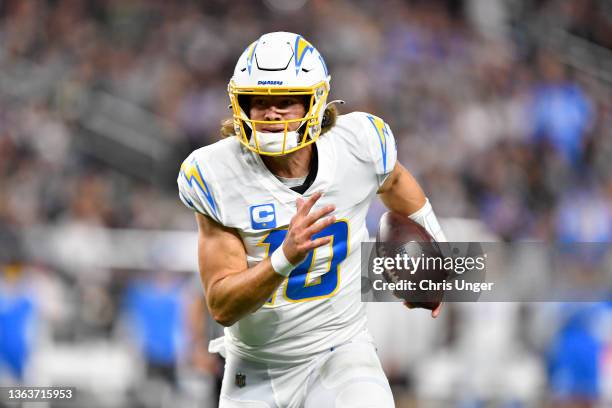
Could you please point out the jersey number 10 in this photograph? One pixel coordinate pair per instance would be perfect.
(300, 287)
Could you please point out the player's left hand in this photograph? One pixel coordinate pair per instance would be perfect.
(203, 361)
(434, 313)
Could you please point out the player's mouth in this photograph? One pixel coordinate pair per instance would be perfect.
(272, 128)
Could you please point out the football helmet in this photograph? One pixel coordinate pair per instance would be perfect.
(279, 63)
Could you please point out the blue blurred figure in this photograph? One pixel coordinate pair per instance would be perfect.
(156, 311)
(584, 215)
(575, 355)
(562, 112)
(17, 316)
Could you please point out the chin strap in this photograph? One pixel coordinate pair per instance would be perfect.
(327, 122)
(339, 101)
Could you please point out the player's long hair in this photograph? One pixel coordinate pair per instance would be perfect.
(329, 120)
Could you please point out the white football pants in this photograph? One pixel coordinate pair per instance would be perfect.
(348, 376)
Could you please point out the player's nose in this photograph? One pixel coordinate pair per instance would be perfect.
(272, 113)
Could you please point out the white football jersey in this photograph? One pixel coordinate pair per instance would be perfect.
(319, 305)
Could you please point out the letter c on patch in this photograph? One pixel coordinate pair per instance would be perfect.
(263, 216)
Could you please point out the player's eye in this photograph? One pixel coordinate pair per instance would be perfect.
(287, 102)
(258, 103)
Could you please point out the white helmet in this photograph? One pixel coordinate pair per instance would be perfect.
(279, 64)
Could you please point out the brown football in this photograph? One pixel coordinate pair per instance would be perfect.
(398, 234)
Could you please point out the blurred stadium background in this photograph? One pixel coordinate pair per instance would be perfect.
(501, 108)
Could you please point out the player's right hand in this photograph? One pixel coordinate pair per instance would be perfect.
(434, 313)
(304, 225)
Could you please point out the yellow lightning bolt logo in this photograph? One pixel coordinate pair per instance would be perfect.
(381, 130)
(301, 48)
(192, 174)
(251, 55)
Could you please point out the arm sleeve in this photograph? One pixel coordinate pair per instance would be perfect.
(381, 145)
(195, 189)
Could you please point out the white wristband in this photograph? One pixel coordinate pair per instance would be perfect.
(280, 263)
(427, 219)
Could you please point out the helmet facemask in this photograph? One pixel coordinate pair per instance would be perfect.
(278, 143)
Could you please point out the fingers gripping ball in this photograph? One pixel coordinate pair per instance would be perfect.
(418, 259)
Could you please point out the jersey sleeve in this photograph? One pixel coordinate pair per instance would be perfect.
(381, 146)
(195, 188)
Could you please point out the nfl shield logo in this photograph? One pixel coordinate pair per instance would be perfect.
(240, 380)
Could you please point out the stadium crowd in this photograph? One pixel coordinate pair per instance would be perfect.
(494, 125)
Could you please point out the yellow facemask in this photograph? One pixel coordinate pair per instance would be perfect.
(289, 141)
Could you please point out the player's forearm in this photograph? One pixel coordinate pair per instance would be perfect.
(401, 193)
(235, 295)
(404, 195)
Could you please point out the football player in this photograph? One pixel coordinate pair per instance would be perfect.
(280, 206)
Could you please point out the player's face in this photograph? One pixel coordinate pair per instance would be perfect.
(264, 107)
